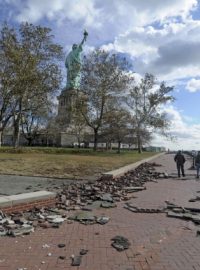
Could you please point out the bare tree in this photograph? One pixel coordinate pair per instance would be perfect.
(117, 126)
(144, 102)
(104, 77)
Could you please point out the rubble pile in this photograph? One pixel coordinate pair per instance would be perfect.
(79, 195)
(83, 197)
(19, 223)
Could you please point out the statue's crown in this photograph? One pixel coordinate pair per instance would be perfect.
(74, 46)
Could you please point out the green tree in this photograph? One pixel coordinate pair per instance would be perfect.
(32, 58)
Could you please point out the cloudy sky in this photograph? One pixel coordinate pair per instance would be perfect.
(159, 37)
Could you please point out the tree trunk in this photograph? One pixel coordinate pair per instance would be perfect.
(30, 140)
(95, 140)
(139, 142)
(119, 147)
(16, 134)
(107, 146)
(1, 137)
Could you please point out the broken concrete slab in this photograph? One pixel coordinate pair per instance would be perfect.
(76, 261)
(134, 189)
(107, 197)
(103, 220)
(135, 209)
(83, 251)
(24, 229)
(83, 216)
(108, 205)
(120, 243)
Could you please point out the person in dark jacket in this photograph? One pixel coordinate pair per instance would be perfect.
(197, 163)
(180, 160)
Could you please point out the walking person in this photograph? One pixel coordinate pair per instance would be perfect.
(197, 163)
(180, 160)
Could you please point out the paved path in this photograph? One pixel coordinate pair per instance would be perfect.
(157, 242)
(24, 184)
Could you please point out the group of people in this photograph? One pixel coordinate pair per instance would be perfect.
(180, 160)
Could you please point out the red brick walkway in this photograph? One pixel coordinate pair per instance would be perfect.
(157, 242)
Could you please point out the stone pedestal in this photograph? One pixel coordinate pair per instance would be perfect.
(66, 105)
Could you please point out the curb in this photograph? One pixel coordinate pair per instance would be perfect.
(121, 171)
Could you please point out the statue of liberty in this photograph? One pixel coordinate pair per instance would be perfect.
(73, 65)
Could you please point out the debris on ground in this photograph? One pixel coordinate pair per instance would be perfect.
(198, 233)
(76, 260)
(131, 207)
(88, 218)
(78, 196)
(103, 220)
(197, 198)
(187, 213)
(23, 223)
(83, 251)
(81, 196)
(61, 245)
(120, 243)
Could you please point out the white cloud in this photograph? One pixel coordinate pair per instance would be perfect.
(186, 134)
(137, 12)
(171, 52)
(193, 85)
(59, 10)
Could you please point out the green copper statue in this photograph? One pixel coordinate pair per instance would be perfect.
(73, 65)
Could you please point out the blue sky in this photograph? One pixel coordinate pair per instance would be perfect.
(160, 37)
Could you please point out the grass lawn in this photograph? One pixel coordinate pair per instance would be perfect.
(63, 162)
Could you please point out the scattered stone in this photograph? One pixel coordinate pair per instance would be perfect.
(135, 209)
(23, 230)
(3, 232)
(45, 246)
(187, 213)
(198, 233)
(134, 189)
(83, 251)
(62, 257)
(76, 260)
(120, 243)
(103, 220)
(61, 245)
(108, 205)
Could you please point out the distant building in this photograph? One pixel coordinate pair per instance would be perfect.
(155, 149)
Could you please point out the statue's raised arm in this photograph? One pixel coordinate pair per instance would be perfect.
(85, 34)
(73, 64)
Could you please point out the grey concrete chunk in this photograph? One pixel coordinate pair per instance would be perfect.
(76, 261)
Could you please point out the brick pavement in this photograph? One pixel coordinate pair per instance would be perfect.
(157, 242)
